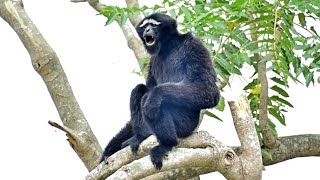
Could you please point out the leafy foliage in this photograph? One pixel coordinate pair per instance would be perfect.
(242, 33)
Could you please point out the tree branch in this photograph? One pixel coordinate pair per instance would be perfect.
(135, 18)
(46, 63)
(179, 174)
(177, 158)
(213, 155)
(289, 147)
(268, 138)
(251, 152)
(222, 158)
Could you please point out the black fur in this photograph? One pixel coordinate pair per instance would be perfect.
(181, 82)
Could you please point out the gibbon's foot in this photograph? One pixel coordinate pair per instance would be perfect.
(134, 144)
(157, 154)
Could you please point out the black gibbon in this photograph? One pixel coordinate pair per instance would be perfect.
(181, 81)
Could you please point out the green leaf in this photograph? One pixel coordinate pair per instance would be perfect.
(156, 7)
(266, 58)
(223, 62)
(280, 90)
(278, 99)
(266, 154)
(123, 19)
(252, 84)
(277, 115)
(309, 78)
(259, 50)
(239, 4)
(302, 19)
(111, 18)
(245, 58)
(319, 79)
(173, 13)
(273, 128)
(221, 104)
(186, 12)
(278, 80)
(210, 114)
(261, 18)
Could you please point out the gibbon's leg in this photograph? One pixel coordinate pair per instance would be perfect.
(129, 131)
(140, 128)
(191, 96)
(165, 131)
(185, 120)
(115, 144)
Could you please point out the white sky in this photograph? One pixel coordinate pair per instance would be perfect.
(99, 68)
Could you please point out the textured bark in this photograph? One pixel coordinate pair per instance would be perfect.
(268, 138)
(289, 147)
(180, 174)
(46, 63)
(251, 152)
(208, 155)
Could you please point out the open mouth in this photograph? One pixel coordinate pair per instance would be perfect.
(150, 40)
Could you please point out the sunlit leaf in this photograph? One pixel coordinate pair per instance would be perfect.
(277, 98)
(280, 90)
(210, 114)
(265, 154)
(111, 18)
(278, 80)
(123, 19)
(252, 84)
(256, 90)
(302, 19)
(173, 13)
(221, 104)
(277, 115)
(186, 12)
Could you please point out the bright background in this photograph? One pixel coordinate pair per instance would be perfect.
(99, 67)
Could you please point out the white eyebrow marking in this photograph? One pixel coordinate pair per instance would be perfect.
(149, 21)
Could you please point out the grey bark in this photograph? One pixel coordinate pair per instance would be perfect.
(208, 153)
(46, 63)
(268, 138)
(214, 156)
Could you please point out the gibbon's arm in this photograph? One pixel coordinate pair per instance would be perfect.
(192, 96)
(150, 81)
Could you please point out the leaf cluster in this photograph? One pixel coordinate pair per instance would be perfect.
(242, 33)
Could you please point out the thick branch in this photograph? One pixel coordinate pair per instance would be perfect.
(177, 158)
(251, 153)
(289, 147)
(179, 174)
(222, 159)
(46, 63)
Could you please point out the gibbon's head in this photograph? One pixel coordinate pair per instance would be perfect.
(155, 31)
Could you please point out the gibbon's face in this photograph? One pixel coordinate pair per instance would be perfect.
(155, 31)
(149, 35)
(148, 31)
